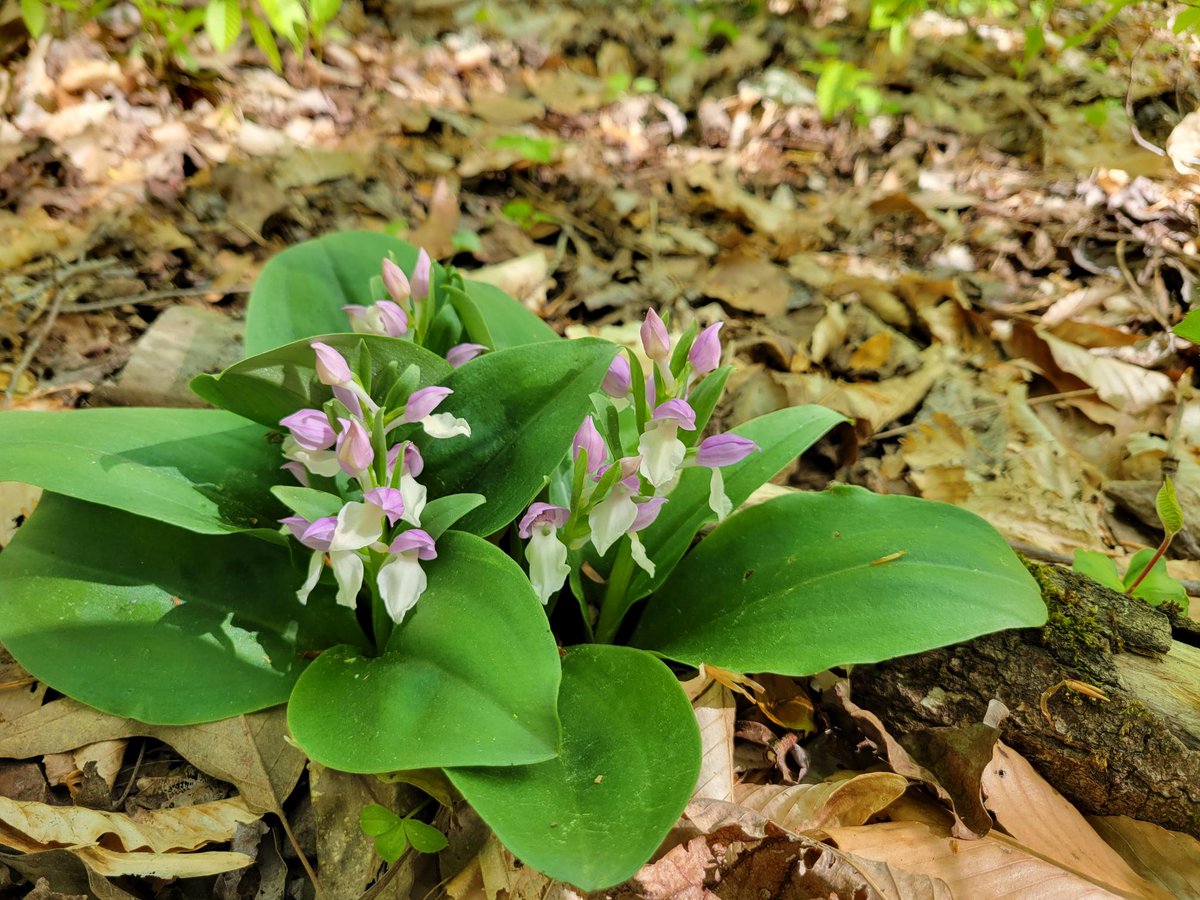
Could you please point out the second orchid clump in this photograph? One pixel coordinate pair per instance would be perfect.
(624, 474)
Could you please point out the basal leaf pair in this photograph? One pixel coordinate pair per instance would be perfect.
(387, 527)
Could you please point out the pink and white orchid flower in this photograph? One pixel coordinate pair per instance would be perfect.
(401, 580)
(420, 408)
(547, 555)
(661, 450)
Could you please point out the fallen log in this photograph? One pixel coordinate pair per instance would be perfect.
(1136, 753)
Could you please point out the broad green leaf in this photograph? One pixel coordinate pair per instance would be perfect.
(813, 580)
(442, 513)
(302, 290)
(782, 436)
(1157, 587)
(308, 502)
(205, 470)
(524, 405)
(507, 322)
(470, 677)
(1099, 568)
(158, 624)
(33, 13)
(275, 384)
(261, 32)
(1189, 328)
(1170, 513)
(629, 762)
(223, 23)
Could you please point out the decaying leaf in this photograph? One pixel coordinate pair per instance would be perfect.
(715, 714)
(250, 752)
(1165, 858)
(837, 802)
(1041, 819)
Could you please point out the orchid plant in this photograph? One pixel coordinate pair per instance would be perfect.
(451, 541)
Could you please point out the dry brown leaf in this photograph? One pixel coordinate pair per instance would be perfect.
(749, 284)
(1038, 816)
(1183, 145)
(988, 867)
(348, 863)
(250, 751)
(161, 865)
(1168, 859)
(879, 404)
(872, 353)
(523, 277)
(835, 802)
(1123, 385)
(505, 108)
(65, 872)
(39, 825)
(715, 713)
(436, 233)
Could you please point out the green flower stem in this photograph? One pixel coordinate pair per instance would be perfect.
(616, 596)
(381, 622)
(1158, 554)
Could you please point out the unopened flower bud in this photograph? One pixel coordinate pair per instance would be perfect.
(724, 450)
(617, 379)
(422, 275)
(705, 354)
(655, 340)
(396, 282)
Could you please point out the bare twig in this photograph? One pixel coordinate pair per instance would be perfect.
(120, 801)
(993, 407)
(308, 869)
(33, 346)
(147, 298)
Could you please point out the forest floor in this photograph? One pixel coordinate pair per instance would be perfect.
(973, 257)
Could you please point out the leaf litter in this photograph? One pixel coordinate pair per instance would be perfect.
(983, 276)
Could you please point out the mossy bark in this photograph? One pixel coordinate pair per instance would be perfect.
(1138, 754)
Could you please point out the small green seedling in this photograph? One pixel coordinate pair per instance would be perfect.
(1146, 576)
(393, 834)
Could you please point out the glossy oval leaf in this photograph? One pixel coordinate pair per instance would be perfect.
(205, 470)
(629, 762)
(781, 436)
(470, 677)
(813, 580)
(492, 317)
(524, 405)
(302, 290)
(267, 387)
(155, 623)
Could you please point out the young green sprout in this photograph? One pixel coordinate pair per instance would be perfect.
(1170, 514)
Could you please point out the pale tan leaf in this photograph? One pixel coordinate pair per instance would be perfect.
(715, 713)
(250, 751)
(162, 865)
(988, 867)
(1129, 388)
(1166, 858)
(749, 283)
(39, 826)
(1040, 818)
(834, 803)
